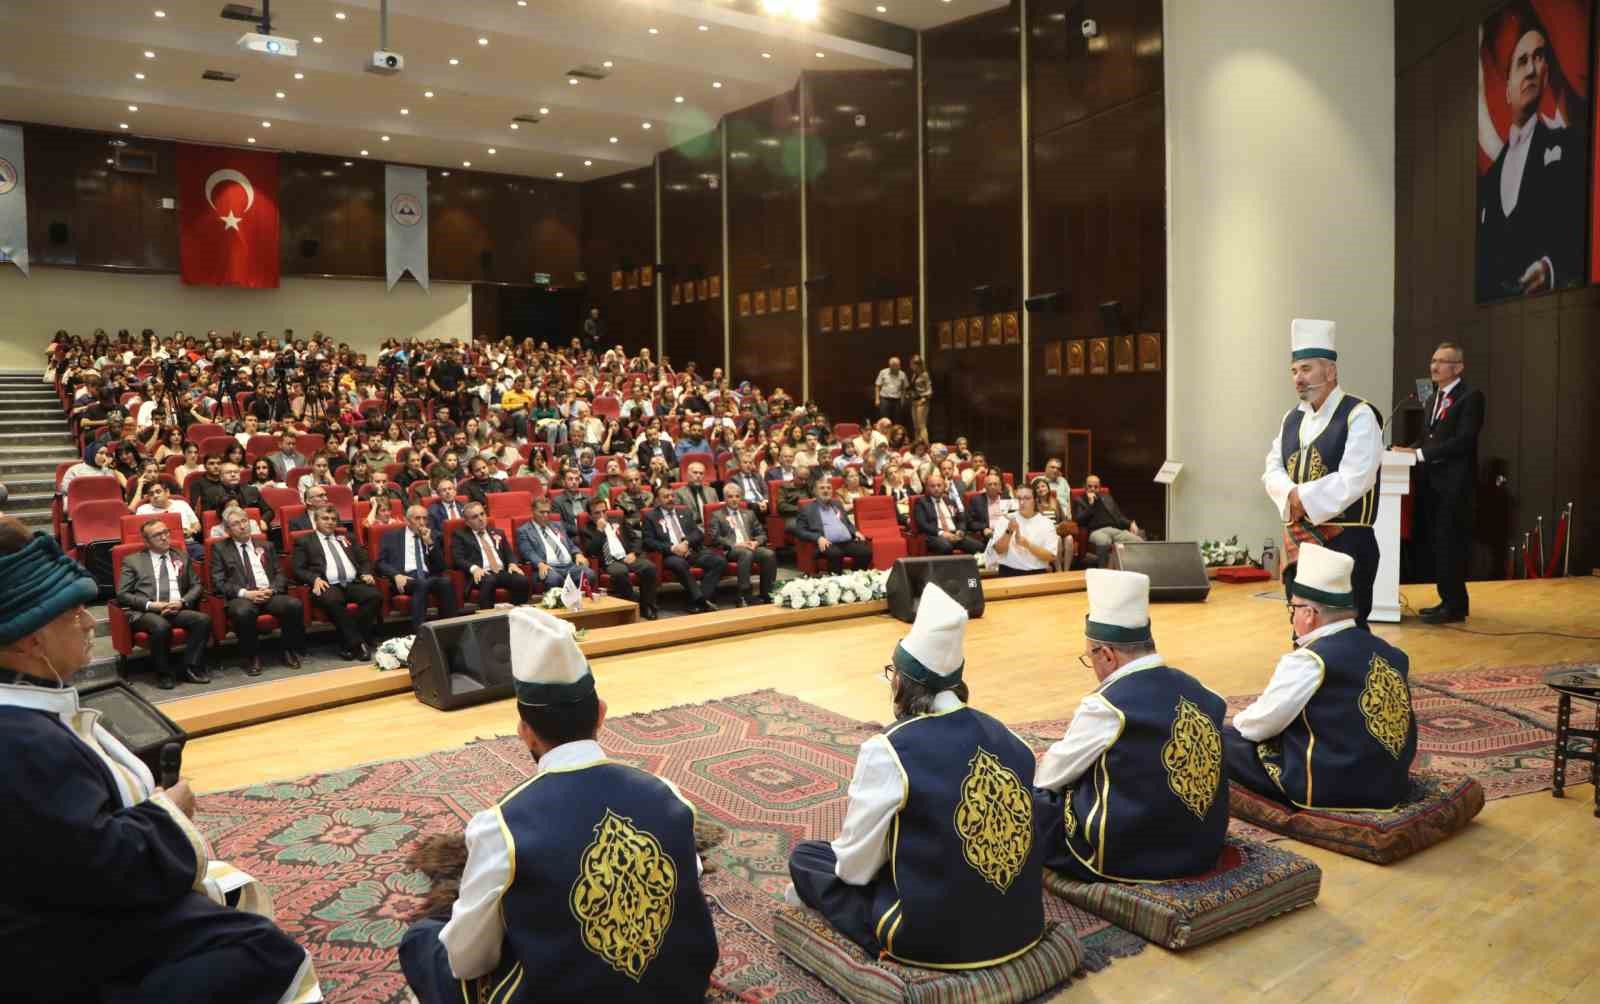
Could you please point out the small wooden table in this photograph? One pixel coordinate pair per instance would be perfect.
(1583, 684)
(599, 612)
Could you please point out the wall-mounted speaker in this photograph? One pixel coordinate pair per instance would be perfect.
(486, 261)
(309, 248)
(819, 280)
(1111, 317)
(983, 297)
(60, 233)
(1052, 302)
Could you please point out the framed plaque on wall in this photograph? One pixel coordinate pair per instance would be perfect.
(647, 275)
(864, 316)
(761, 302)
(906, 309)
(677, 293)
(847, 315)
(1124, 354)
(791, 298)
(944, 334)
(1052, 359)
(616, 280)
(1099, 356)
(959, 333)
(825, 320)
(688, 291)
(1076, 352)
(716, 287)
(1150, 353)
(633, 278)
(1014, 332)
(997, 327)
(744, 304)
(885, 313)
(703, 289)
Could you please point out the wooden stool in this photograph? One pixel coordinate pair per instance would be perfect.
(1583, 684)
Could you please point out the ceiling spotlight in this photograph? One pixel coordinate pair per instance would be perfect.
(317, 39)
(766, 55)
(349, 163)
(804, 10)
(588, 163)
(544, 111)
(138, 76)
(265, 124)
(573, 81)
(492, 151)
(148, 54)
(482, 40)
(279, 95)
(122, 125)
(445, 173)
(561, 174)
(454, 61)
(612, 139)
(363, 153)
(678, 100)
(608, 64)
(299, 76)
(522, 3)
(775, 6)
(644, 125)
(466, 163)
(384, 138)
(822, 55)
(881, 9)
(702, 27)
(339, 15)
(427, 94)
(655, 31)
(161, 13)
(111, 160)
(515, 126)
(133, 108)
(405, 111)
(717, 84)
(249, 139)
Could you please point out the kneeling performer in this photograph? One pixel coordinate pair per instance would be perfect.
(1334, 728)
(1135, 790)
(936, 864)
(583, 883)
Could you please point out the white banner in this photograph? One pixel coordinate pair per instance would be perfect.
(13, 199)
(406, 225)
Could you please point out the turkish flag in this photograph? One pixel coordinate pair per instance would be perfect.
(228, 217)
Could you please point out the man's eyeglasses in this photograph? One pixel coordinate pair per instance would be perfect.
(1293, 607)
(889, 673)
(156, 534)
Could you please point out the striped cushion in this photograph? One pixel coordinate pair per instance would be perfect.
(1252, 882)
(807, 938)
(1439, 805)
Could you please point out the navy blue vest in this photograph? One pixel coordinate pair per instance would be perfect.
(605, 902)
(1154, 806)
(1322, 455)
(1352, 746)
(965, 871)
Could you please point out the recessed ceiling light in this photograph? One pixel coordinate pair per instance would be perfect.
(716, 83)
(522, 3)
(612, 139)
(445, 173)
(544, 111)
(111, 160)
(454, 61)
(678, 100)
(384, 138)
(588, 163)
(655, 31)
(349, 163)
(559, 174)
(133, 108)
(299, 76)
(702, 27)
(122, 125)
(340, 15)
(608, 64)
(265, 124)
(279, 95)
(249, 139)
(427, 94)
(317, 39)
(644, 125)
(573, 81)
(493, 151)
(822, 55)
(881, 9)
(148, 54)
(138, 76)
(515, 126)
(405, 111)
(466, 163)
(161, 13)
(766, 55)
(482, 40)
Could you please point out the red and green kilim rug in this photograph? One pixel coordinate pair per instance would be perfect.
(770, 768)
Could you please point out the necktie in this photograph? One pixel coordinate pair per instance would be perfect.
(450, 511)
(737, 519)
(490, 555)
(674, 530)
(421, 559)
(944, 514)
(614, 549)
(558, 551)
(249, 571)
(339, 560)
(162, 589)
(1438, 408)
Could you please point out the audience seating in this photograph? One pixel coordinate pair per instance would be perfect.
(510, 503)
(124, 640)
(259, 446)
(686, 459)
(132, 525)
(344, 500)
(97, 521)
(291, 479)
(216, 446)
(198, 432)
(309, 444)
(215, 606)
(875, 518)
(279, 499)
(287, 515)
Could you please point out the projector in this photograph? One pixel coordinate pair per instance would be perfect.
(386, 62)
(272, 45)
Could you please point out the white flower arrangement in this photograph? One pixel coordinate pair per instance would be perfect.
(1224, 553)
(394, 653)
(831, 590)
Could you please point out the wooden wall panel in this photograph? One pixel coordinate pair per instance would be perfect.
(619, 234)
(1071, 77)
(691, 244)
(764, 165)
(861, 226)
(972, 205)
(1528, 356)
(82, 211)
(333, 216)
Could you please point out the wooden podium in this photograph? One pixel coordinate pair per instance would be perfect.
(1394, 480)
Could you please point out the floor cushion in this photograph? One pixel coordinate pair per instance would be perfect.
(807, 938)
(1251, 883)
(1439, 804)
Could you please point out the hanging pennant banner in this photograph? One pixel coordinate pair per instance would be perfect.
(406, 189)
(13, 199)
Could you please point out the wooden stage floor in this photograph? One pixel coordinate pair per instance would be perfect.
(1503, 912)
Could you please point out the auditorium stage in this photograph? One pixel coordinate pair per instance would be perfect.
(1496, 913)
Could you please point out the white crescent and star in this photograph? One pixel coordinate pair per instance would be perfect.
(230, 221)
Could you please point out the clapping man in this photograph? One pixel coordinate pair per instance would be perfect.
(484, 554)
(247, 576)
(412, 560)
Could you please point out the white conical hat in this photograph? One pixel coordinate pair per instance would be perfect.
(1323, 576)
(1312, 339)
(1119, 606)
(935, 650)
(545, 660)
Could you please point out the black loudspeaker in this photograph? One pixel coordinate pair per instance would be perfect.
(956, 575)
(1111, 317)
(459, 661)
(1176, 569)
(1045, 301)
(137, 724)
(309, 248)
(60, 233)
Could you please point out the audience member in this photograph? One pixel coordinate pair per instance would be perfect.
(891, 392)
(677, 538)
(943, 525)
(615, 547)
(412, 559)
(160, 590)
(288, 456)
(483, 553)
(248, 577)
(695, 495)
(743, 536)
(447, 507)
(1027, 542)
(1097, 514)
(549, 549)
(825, 523)
(339, 571)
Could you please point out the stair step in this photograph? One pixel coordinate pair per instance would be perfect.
(36, 483)
(55, 424)
(29, 470)
(13, 439)
(29, 500)
(11, 411)
(38, 518)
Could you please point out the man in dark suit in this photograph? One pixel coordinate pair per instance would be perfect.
(979, 506)
(743, 535)
(338, 570)
(825, 523)
(480, 486)
(160, 590)
(695, 495)
(249, 496)
(381, 491)
(942, 525)
(570, 501)
(550, 551)
(677, 537)
(447, 508)
(1531, 224)
(1098, 515)
(207, 491)
(287, 457)
(484, 554)
(412, 559)
(752, 486)
(248, 578)
(1447, 467)
(800, 486)
(614, 546)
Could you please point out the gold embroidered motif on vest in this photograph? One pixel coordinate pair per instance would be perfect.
(994, 820)
(1266, 753)
(1069, 819)
(624, 894)
(1193, 758)
(1386, 705)
(1315, 467)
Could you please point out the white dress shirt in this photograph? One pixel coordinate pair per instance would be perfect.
(1333, 493)
(476, 930)
(340, 569)
(253, 556)
(413, 542)
(1294, 680)
(1038, 530)
(1518, 143)
(191, 522)
(1094, 727)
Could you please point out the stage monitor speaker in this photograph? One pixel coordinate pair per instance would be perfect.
(137, 724)
(460, 661)
(1176, 569)
(956, 575)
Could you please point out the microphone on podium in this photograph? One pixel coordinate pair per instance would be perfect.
(171, 763)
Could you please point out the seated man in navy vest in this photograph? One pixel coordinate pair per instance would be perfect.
(583, 884)
(936, 864)
(1135, 790)
(1334, 728)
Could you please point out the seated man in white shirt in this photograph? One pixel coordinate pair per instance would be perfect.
(160, 501)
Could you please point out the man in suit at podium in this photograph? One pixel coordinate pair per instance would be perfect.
(1447, 476)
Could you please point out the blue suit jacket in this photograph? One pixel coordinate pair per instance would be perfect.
(531, 543)
(437, 516)
(392, 556)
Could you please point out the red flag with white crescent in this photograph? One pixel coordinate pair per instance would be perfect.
(227, 217)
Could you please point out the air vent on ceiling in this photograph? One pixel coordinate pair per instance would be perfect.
(528, 119)
(241, 12)
(589, 72)
(222, 75)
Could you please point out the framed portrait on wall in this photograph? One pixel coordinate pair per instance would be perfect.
(1076, 353)
(847, 314)
(1535, 97)
(906, 309)
(633, 278)
(647, 275)
(885, 313)
(775, 299)
(944, 334)
(761, 302)
(1123, 354)
(1099, 356)
(744, 304)
(1052, 359)
(1150, 353)
(688, 291)
(791, 298)
(997, 328)
(825, 320)
(1014, 332)
(616, 280)
(716, 287)
(703, 289)
(864, 315)
(959, 333)
(677, 293)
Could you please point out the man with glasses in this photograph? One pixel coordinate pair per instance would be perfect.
(160, 590)
(1334, 729)
(339, 572)
(247, 576)
(483, 553)
(1447, 465)
(615, 546)
(1157, 731)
